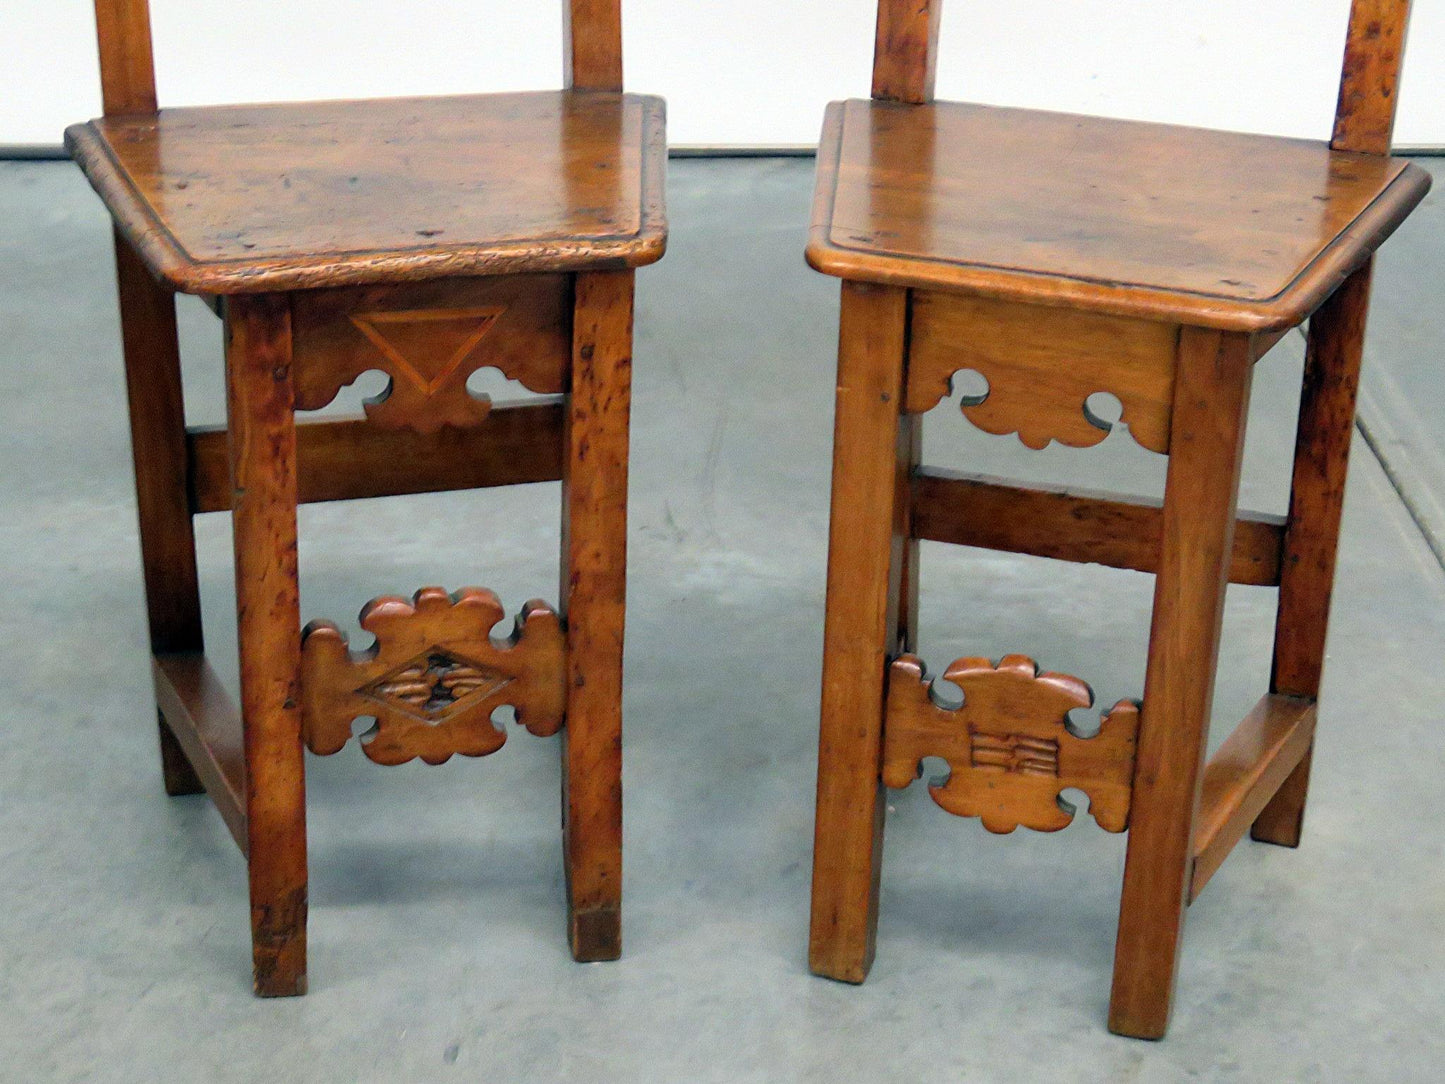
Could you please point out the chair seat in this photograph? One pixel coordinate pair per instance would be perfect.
(238, 199)
(1215, 229)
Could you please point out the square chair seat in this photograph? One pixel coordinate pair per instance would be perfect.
(1215, 229)
(255, 198)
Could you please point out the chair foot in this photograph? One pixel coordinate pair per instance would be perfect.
(824, 962)
(180, 777)
(1282, 821)
(595, 935)
(278, 945)
(1151, 1026)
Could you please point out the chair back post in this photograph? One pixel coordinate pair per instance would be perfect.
(592, 44)
(905, 51)
(127, 66)
(1374, 52)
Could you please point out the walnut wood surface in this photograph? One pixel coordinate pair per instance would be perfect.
(1211, 402)
(866, 536)
(1217, 229)
(338, 237)
(344, 459)
(207, 727)
(1244, 775)
(1073, 525)
(259, 405)
(1041, 365)
(158, 451)
(592, 44)
(1010, 748)
(905, 50)
(1369, 84)
(429, 338)
(910, 455)
(433, 677)
(992, 218)
(1317, 493)
(127, 67)
(594, 594)
(245, 199)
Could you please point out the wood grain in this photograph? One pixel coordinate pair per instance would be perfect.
(865, 546)
(342, 459)
(208, 729)
(1182, 225)
(1010, 748)
(259, 404)
(127, 66)
(1369, 83)
(158, 453)
(592, 44)
(1244, 775)
(1059, 256)
(594, 593)
(338, 237)
(1073, 525)
(1317, 494)
(905, 50)
(1210, 405)
(433, 677)
(1042, 364)
(910, 455)
(254, 198)
(429, 338)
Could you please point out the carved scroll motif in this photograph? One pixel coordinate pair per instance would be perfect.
(1010, 747)
(429, 339)
(1042, 365)
(433, 677)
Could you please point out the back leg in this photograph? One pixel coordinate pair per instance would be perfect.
(1321, 459)
(158, 446)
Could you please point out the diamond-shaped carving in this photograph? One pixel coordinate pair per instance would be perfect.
(433, 677)
(432, 685)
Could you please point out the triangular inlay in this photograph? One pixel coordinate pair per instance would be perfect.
(427, 346)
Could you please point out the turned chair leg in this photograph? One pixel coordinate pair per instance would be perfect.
(158, 446)
(1307, 574)
(1211, 399)
(259, 406)
(593, 600)
(873, 447)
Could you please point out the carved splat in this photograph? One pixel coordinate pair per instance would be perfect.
(1042, 365)
(433, 677)
(429, 339)
(1010, 746)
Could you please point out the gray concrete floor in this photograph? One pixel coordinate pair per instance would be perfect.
(437, 947)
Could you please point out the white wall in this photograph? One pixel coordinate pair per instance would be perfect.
(736, 71)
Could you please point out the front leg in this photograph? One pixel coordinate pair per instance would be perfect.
(594, 599)
(873, 449)
(260, 403)
(1211, 399)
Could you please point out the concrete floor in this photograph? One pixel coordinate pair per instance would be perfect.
(437, 947)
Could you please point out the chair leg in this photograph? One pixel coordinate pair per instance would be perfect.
(1211, 400)
(911, 441)
(260, 403)
(158, 447)
(872, 452)
(1322, 453)
(594, 589)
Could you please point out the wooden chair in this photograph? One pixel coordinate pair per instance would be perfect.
(426, 238)
(1061, 256)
